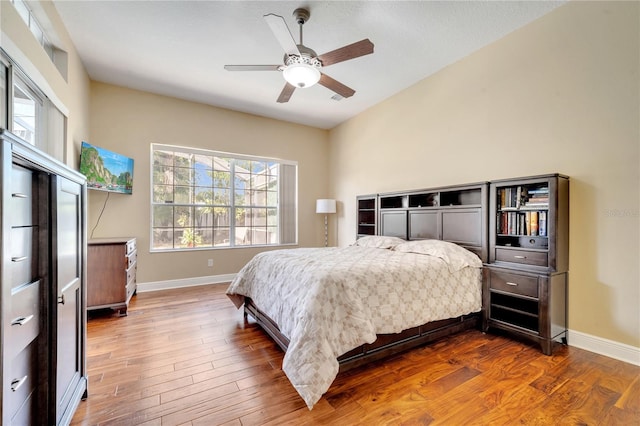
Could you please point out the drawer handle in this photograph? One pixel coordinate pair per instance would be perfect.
(22, 320)
(19, 195)
(16, 383)
(512, 284)
(519, 257)
(19, 259)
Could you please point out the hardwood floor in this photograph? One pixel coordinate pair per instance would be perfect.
(186, 357)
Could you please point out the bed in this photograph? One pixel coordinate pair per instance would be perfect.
(335, 308)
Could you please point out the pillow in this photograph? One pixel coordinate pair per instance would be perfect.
(379, 241)
(456, 257)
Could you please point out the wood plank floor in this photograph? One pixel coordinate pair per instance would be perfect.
(186, 357)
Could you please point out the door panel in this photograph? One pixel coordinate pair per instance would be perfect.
(68, 247)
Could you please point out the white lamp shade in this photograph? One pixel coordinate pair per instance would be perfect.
(301, 75)
(324, 205)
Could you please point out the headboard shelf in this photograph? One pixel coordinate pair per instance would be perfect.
(454, 213)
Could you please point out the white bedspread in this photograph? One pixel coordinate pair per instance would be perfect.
(328, 301)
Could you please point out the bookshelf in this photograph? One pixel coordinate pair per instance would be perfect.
(525, 280)
(366, 209)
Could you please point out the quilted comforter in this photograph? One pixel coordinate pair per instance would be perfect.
(328, 301)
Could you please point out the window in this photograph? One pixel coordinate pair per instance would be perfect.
(27, 111)
(35, 27)
(206, 199)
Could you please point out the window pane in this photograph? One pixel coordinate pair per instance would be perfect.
(162, 216)
(182, 195)
(272, 235)
(24, 115)
(272, 198)
(183, 176)
(183, 216)
(221, 179)
(272, 217)
(162, 193)
(162, 158)
(204, 195)
(163, 238)
(221, 197)
(204, 216)
(243, 217)
(221, 237)
(203, 177)
(241, 198)
(221, 216)
(206, 237)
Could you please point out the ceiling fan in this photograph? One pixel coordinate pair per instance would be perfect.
(302, 66)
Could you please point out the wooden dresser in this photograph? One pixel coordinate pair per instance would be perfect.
(111, 273)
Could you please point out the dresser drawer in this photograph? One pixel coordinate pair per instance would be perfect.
(514, 283)
(22, 201)
(24, 324)
(131, 259)
(131, 273)
(22, 381)
(526, 257)
(131, 246)
(23, 261)
(131, 288)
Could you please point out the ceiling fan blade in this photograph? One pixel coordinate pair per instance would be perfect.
(282, 33)
(252, 67)
(336, 86)
(354, 50)
(286, 93)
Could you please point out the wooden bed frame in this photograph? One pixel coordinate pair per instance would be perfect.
(385, 344)
(462, 221)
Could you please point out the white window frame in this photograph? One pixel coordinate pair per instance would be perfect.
(286, 206)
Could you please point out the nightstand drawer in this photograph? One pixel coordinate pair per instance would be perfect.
(514, 283)
(526, 257)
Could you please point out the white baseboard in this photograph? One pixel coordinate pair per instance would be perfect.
(606, 347)
(599, 345)
(184, 282)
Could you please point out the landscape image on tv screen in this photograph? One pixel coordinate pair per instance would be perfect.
(106, 170)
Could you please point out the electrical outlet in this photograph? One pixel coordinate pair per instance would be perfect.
(210, 262)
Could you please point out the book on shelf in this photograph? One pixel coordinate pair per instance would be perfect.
(542, 224)
(539, 190)
(534, 223)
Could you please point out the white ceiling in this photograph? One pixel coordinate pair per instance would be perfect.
(179, 48)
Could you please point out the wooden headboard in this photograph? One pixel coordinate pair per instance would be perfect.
(455, 213)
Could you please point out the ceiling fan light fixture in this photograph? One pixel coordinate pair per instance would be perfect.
(301, 75)
(302, 71)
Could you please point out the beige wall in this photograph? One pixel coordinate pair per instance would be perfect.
(128, 121)
(559, 95)
(71, 96)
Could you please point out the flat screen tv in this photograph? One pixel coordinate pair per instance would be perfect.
(106, 170)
